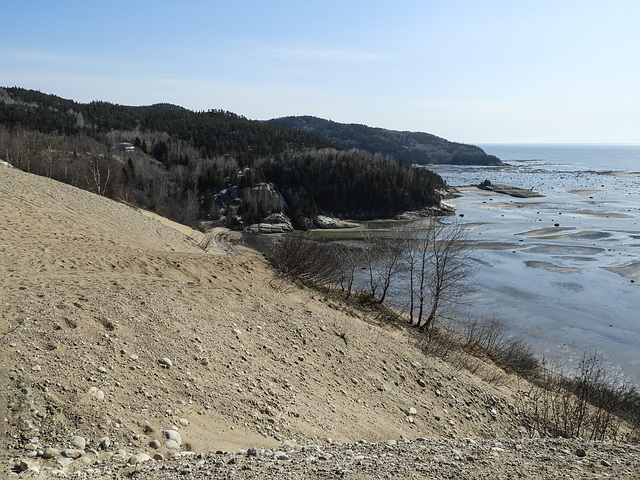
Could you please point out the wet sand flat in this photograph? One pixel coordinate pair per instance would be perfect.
(631, 270)
(543, 232)
(584, 192)
(565, 270)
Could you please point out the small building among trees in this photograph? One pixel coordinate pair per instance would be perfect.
(126, 147)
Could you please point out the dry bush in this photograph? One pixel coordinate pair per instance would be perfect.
(488, 336)
(452, 347)
(515, 355)
(296, 257)
(441, 342)
(586, 406)
(483, 332)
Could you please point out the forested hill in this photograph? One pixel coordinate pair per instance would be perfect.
(212, 166)
(213, 132)
(408, 147)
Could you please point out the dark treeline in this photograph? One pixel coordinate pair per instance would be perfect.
(212, 165)
(213, 133)
(407, 147)
(352, 183)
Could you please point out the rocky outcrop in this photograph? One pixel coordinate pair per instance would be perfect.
(322, 221)
(508, 190)
(274, 223)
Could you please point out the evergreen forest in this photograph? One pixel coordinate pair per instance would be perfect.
(213, 166)
(408, 147)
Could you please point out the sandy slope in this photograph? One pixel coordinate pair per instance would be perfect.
(94, 293)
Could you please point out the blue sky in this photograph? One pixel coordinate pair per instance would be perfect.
(473, 71)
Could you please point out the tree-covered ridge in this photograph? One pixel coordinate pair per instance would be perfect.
(213, 132)
(196, 166)
(408, 147)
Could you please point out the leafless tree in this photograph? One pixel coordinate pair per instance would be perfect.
(383, 256)
(351, 261)
(439, 264)
(19, 147)
(100, 175)
(51, 157)
(412, 258)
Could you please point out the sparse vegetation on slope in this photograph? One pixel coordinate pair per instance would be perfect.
(435, 257)
(117, 327)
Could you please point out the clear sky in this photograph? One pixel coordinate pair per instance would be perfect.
(473, 71)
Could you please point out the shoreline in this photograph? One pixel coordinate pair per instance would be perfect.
(564, 269)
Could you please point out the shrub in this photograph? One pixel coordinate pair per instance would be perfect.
(296, 257)
(586, 406)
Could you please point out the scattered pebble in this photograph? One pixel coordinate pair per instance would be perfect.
(165, 362)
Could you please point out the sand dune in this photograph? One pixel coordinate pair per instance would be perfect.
(96, 296)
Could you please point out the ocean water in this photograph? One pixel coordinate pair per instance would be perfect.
(598, 157)
(563, 270)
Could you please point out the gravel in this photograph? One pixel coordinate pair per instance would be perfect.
(421, 458)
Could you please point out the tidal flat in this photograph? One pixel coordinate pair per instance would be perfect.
(569, 283)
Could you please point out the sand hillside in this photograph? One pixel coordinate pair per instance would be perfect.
(117, 326)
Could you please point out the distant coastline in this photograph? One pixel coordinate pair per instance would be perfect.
(562, 270)
(615, 157)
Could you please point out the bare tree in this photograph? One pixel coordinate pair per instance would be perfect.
(20, 148)
(379, 260)
(384, 264)
(439, 262)
(100, 175)
(432, 257)
(412, 257)
(369, 258)
(51, 157)
(191, 207)
(451, 263)
(351, 259)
